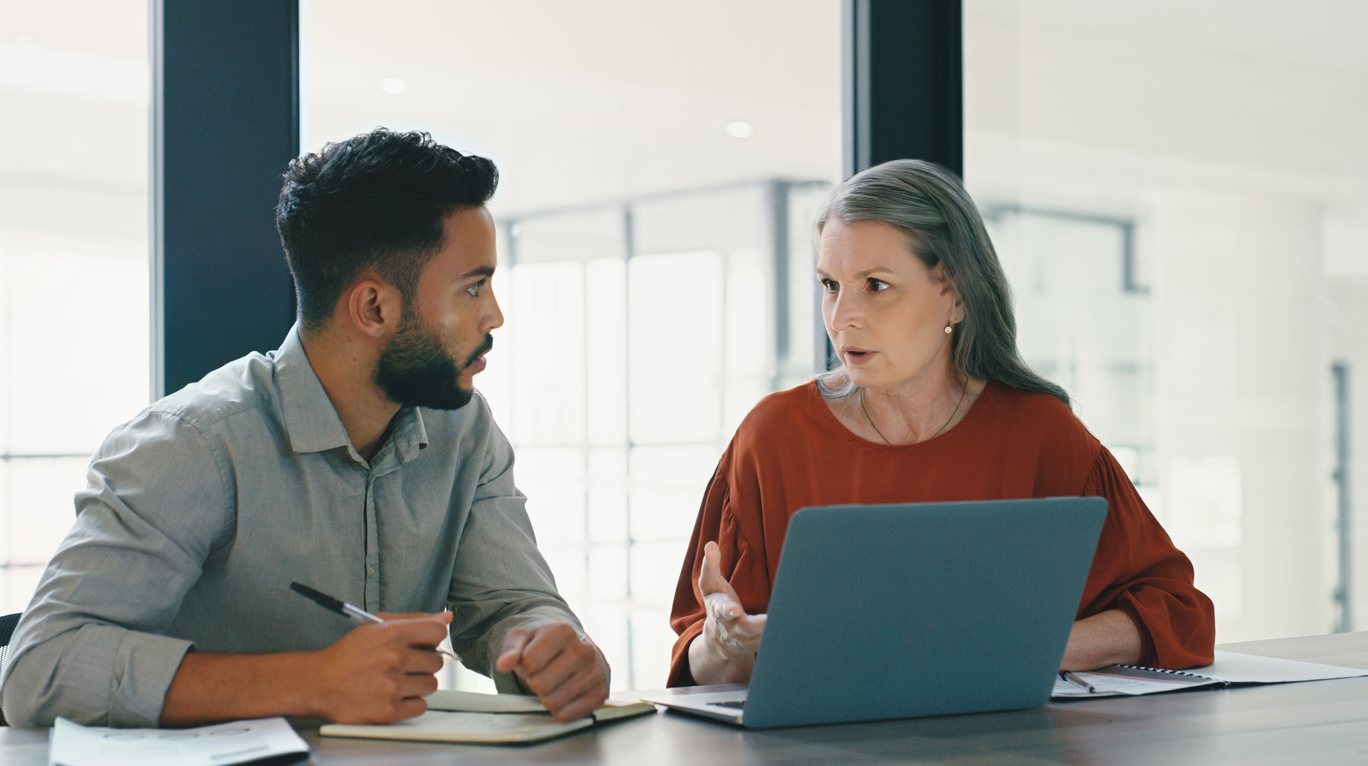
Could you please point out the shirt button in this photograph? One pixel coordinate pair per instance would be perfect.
(371, 571)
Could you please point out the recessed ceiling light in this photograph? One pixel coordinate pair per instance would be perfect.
(740, 129)
(393, 85)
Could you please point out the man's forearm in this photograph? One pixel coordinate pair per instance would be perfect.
(219, 687)
(376, 673)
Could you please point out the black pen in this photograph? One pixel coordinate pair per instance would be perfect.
(347, 610)
(1076, 681)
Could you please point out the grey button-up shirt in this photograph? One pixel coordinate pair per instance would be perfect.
(201, 510)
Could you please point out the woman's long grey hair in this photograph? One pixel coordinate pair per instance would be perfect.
(929, 204)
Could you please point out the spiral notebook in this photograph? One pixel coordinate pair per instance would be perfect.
(1229, 669)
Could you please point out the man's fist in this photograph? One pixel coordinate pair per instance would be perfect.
(558, 664)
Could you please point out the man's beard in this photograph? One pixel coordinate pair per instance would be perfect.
(416, 371)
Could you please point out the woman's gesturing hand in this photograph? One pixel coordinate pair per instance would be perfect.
(725, 653)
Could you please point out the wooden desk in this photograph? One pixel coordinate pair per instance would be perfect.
(1318, 722)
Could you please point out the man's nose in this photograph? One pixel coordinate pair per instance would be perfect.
(496, 317)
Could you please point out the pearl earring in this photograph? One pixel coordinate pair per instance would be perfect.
(949, 328)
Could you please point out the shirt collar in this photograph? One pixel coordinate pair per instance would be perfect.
(311, 420)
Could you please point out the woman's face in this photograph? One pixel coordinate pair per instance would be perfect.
(884, 310)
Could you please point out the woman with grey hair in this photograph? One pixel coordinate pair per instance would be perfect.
(932, 402)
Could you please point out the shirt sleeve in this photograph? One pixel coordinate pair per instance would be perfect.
(91, 646)
(1139, 571)
(742, 564)
(500, 581)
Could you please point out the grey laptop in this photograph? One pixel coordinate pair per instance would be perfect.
(897, 611)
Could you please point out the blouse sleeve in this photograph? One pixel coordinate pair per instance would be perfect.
(742, 564)
(1138, 570)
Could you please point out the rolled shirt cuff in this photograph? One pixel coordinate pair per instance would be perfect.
(99, 675)
(145, 665)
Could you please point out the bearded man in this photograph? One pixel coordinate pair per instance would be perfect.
(357, 458)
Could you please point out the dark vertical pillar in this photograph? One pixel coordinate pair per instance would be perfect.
(903, 82)
(225, 124)
(903, 95)
(1344, 506)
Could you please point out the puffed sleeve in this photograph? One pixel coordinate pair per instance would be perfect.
(743, 562)
(1138, 570)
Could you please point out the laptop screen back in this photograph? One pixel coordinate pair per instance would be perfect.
(892, 611)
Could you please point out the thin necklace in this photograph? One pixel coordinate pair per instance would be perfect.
(963, 390)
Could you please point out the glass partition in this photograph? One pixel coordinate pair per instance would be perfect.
(1180, 197)
(655, 209)
(74, 326)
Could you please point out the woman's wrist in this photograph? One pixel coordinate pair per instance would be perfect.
(709, 663)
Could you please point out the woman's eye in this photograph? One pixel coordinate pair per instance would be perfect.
(829, 285)
(877, 285)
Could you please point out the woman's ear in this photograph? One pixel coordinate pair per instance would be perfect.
(948, 289)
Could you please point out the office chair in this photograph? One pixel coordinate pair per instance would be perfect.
(7, 624)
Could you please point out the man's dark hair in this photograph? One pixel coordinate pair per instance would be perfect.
(375, 201)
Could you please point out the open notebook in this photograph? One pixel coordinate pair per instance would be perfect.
(491, 719)
(1229, 669)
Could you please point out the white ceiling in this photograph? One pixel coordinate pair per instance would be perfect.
(604, 99)
(593, 100)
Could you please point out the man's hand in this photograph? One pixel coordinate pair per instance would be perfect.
(377, 673)
(380, 673)
(725, 652)
(559, 665)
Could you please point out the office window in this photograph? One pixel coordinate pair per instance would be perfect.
(660, 166)
(1182, 210)
(73, 261)
(1066, 268)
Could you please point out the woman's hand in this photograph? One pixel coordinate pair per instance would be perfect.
(725, 652)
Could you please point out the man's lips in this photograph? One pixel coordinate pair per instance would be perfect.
(476, 363)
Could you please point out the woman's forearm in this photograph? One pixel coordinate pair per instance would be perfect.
(1106, 638)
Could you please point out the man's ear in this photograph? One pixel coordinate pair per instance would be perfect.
(373, 306)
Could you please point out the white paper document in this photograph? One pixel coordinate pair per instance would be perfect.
(224, 743)
(1229, 669)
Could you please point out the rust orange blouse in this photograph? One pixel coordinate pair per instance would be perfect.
(791, 452)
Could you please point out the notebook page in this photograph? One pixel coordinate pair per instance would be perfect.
(222, 743)
(1237, 668)
(1228, 668)
(442, 726)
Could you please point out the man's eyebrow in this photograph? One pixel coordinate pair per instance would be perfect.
(482, 271)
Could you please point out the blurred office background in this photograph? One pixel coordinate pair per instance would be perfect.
(1179, 194)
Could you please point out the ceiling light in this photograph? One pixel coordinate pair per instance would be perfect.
(740, 129)
(393, 85)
